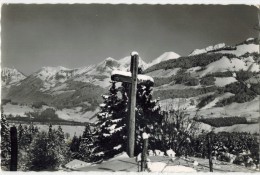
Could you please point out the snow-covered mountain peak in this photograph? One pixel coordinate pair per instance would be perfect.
(10, 71)
(125, 63)
(208, 49)
(53, 69)
(165, 56)
(11, 76)
(53, 75)
(109, 59)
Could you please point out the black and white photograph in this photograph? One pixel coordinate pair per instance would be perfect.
(101, 88)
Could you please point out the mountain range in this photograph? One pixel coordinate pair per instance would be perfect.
(201, 81)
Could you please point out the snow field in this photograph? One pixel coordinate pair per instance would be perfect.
(223, 81)
(242, 49)
(217, 99)
(16, 109)
(225, 64)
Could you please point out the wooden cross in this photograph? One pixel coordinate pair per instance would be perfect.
(133, 79)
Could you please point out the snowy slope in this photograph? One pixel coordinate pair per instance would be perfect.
(242, 49)
(11, 76)
(233, 64)
(52, 76)
(207, 49)
(223, 81)
(248, 46)
(165, 56)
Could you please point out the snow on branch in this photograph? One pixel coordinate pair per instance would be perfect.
(117, 147)
(145, 135)
(102, 105)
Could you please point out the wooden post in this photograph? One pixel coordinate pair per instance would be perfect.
(144, 155)
(209, 152)
(14, 149)
(131, 120)
(259, 96)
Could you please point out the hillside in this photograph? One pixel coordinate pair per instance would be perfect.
(204, 80)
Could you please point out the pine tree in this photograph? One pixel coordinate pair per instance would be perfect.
(74, 147)
(111, 131)
(111, 138)
(20, 132)
(60, 144)
(148, 117)
(48, 150)
(5, 142)
(26, 137)
(86, 145)
(31, 128)
(60, 134)
(42, 155)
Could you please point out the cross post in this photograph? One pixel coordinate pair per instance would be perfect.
(133, 79)
(131, 120)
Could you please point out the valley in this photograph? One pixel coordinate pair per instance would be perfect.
(203, 81)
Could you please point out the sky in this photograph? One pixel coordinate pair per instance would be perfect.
(77, 35)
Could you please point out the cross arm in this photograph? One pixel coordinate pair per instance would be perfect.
(122, 76)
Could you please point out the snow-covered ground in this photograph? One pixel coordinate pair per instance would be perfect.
(16, 109)
(162, 167)
(250, 110)
(176, 86)
(161, 164)
(207, 49)
(76, 164)
(249, 128)
(217, 99)
(223, 81)
(242, 49)
(225, 64)
(74, 114)
(71, 130)
(177, 103)
(247, 109)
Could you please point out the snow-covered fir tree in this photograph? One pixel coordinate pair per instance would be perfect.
(47, 150)
(25, 137)
(111, 136)
(43, 154)
(148, 116)
(20, 132)
(86, 145)
(111, 131)
(60, 144)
